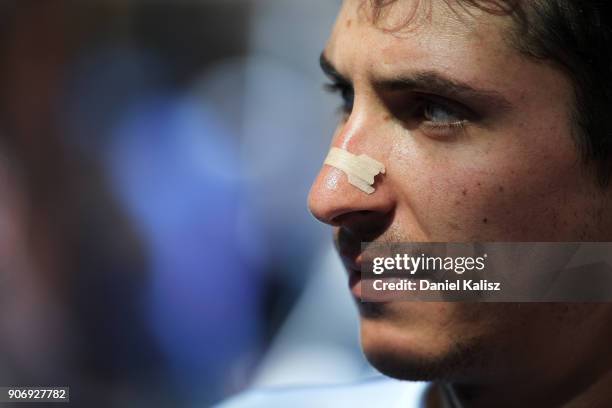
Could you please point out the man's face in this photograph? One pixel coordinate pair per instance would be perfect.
(478, 147)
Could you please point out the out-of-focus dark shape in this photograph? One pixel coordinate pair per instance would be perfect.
(154, 163)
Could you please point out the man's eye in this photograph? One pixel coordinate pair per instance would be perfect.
(346, 93)
(436, 114)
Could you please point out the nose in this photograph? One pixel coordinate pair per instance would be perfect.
(334, 201)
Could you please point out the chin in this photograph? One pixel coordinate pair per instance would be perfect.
(419, 352)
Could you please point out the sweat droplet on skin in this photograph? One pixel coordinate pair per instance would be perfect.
(331, 182)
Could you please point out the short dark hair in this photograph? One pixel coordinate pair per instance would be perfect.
(575, 36)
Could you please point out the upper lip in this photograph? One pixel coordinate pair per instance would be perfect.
(349, 246)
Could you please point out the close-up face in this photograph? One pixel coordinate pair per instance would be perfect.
(478, 144)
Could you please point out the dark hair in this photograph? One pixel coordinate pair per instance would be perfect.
(575, 37)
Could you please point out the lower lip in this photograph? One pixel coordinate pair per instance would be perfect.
(367, 310)
(355, 283)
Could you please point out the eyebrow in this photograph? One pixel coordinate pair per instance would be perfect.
(428, 81)
(330, 70)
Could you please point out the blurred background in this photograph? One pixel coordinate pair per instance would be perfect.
(155, 157)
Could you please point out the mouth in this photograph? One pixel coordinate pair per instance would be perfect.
(357, 278)
(354, 256)
(354, 283)
(352, 259)
(362, 280)
(367, 309)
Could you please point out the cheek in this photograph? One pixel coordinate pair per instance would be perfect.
(507, 194)
(466, 206)
(485, 207)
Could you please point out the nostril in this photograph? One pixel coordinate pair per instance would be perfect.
(364, 212)
(366, 224)
(353, 217)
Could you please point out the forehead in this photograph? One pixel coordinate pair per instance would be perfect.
(419, 34)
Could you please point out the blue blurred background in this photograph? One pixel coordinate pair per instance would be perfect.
(155, 157)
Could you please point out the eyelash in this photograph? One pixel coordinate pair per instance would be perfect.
(346, 93)
(458, 124)
(419, 109)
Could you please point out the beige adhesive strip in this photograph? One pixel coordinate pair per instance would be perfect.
(360, 170)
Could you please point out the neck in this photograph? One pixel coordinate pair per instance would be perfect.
(557, 365)
(575, 393)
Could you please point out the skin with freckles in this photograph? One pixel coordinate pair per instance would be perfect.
(479, 145)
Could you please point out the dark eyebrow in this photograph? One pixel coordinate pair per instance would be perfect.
(431, 82)
(330, 70)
